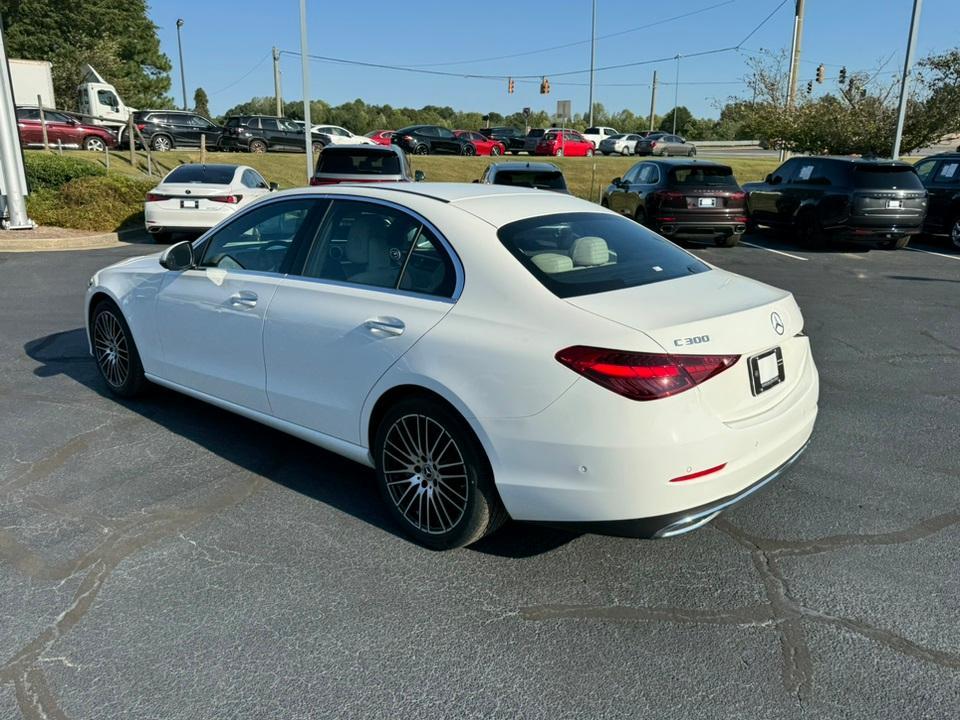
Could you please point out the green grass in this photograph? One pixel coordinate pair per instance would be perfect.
(585, 176)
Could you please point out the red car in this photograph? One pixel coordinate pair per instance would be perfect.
(380, 137)
(482, 145)
(564, 142)
(61, 127)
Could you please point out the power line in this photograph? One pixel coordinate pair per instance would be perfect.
(242, 77)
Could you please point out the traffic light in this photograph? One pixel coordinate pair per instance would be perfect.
(842, 77)
(820, 73)
(544, 86)
(510, 86)
(809, 87)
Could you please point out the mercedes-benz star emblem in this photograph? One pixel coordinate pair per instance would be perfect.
(777, 323)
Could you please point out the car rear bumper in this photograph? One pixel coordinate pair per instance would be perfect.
(160, 219)
(707, 225)
(879, 228)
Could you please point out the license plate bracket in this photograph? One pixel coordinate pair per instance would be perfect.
(894, 204)
(766, 370)
(190, 204)
(707, 202)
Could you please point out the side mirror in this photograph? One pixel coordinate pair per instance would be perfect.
(616, 181)
(769, 179)
(274, 187)
(418, 176)
(178, 256)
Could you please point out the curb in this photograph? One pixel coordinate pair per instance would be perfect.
(99, 241)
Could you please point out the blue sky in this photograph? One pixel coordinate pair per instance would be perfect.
(226, 46)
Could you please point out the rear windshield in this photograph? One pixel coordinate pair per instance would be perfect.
(700, 175)
(213, 174)
(545, 180)
(584, 253)
(358, 162)
(886, 177)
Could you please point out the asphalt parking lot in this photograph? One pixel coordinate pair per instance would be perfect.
(165, 559)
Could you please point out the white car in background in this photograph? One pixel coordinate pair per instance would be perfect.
(196, 197)
(596, 135)
(341, 136)
(491, 351)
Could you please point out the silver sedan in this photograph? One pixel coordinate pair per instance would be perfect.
(624, 144)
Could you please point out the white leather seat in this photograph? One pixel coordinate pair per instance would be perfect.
(553, 262)
(589, 251)
(367, 245)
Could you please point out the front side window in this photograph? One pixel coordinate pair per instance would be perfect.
(261, 239)
(56, 117)
(924, 169)
(582, 253)
(379, 246)
(107, 98)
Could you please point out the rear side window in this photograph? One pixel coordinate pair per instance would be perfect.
(549, 180)
(233, 122)
(702, 175)
(201, 174)
(575, 254)
(886, 177)
(358, 162)
(535, 133)
(948, 173)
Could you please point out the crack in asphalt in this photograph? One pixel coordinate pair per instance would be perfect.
(782, 611)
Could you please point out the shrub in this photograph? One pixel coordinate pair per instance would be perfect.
(46, 170)
(91, 203)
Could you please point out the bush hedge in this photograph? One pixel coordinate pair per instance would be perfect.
(106, 203)
(47, 170)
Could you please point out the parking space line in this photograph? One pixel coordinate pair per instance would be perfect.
(931, 252)
(778, 252)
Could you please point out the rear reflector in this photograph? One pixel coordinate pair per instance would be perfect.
(692, 476)
(643, 376)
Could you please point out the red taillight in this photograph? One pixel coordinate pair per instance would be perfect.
(670, 198)
(643, 376)
(314, 181)
(738, 196)
(228, 199)
(155, 197)
(141, 126)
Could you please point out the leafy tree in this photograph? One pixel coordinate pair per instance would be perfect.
(684, 121)
(201, 103)
(114, 36)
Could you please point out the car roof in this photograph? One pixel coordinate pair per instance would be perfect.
(685, 162)
(531, 166)
(345, 148)
(853, 160)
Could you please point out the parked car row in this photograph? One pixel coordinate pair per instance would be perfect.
(62, 129)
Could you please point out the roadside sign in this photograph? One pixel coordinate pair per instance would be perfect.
(563, 109)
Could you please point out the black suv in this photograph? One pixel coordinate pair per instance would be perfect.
(512, 138)
(823, 197)
(940, 175)
(260, 133)
(431, 139)
(168, 129)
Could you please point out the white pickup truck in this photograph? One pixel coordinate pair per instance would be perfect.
(596, 134)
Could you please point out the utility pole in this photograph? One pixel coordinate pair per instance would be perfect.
(593, 53)
(183, 80)
(905, 83)
(676, 89)
(12, 179)
(276, 82)
(305, 71)
(794, 60)
(653, 101)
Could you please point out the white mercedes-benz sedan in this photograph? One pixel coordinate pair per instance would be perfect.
(491, 351)
(195, 197)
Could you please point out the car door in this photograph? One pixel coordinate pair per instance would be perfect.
(616, 200)
(210, 318)
(801, 190)
(445, 141)
(943, 183)
(765, 198)
(28, 123)
(647, 180)
(61, 129)
(375, 281)
(185, 132)
(275, 136)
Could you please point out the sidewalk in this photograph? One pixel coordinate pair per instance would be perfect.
(43, 238)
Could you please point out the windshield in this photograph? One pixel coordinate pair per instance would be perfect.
(545, 180)
(575, 254)
(886, 177)
(209, 174)
(358, 162)
(702, 175)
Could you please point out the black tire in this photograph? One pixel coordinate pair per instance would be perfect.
(115, 352)
(604, 203)
(809, 232)
(258, 146)
(495, 150)
(468, 149)
(731, 240)
(161, 143)
(692, 153)
(94, 143)
(421, 150)
(752, 228)
(466, 506)
(514, 152)
(897, 243)
(317, 147)
(955, 232)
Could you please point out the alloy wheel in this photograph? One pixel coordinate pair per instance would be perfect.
(426, 476)
(161, 143)
(111, 349)
(495, 150)
(94, 144)
(955, 233)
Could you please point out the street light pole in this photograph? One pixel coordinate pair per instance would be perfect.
(676, 89)
(904, 84)
(593, 53)
(794, 61)
(183, 79)
(305, 72)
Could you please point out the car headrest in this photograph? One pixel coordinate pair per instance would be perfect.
(365, 232)
(589, 250)
(553, 262)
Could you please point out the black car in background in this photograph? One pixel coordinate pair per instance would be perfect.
(431, 140)
(819, 198)
(262, 133)
(168, 129)
(682, 198)
(512, 138)
(541, 175)
(940, 175)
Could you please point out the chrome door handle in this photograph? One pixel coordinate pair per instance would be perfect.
(244, 298)
(385, 325)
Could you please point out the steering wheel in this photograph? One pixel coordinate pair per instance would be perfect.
(263, 258)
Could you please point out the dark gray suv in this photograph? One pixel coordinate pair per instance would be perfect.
(819, 198)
